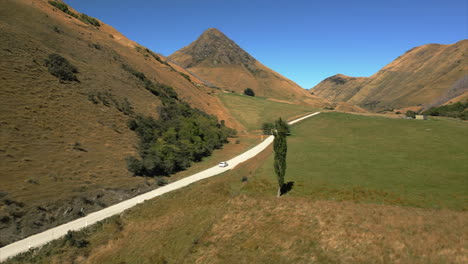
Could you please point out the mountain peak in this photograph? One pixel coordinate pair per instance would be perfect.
(213, 48)
(213, 31)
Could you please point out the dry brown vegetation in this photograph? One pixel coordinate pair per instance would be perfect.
(63, 152)
(425, 75)
(215, 221)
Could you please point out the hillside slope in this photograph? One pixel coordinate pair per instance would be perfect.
(64, 143)
(424, 75)
(221, 62)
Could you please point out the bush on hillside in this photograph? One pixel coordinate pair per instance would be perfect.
(410, 113)
(61, 6)
(59, 67)
(249, 92)
(165, 92)
(89, 20)
(457, 110)
(83, 17)
(108, 99)
(185, 76)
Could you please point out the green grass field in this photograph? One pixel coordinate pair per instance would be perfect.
(356, 180)
(252, 112)
(393, 161)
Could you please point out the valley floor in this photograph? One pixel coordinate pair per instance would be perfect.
(353, 211)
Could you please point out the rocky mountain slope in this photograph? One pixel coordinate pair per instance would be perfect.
(64, 142)
(423, 76)
(221, 62)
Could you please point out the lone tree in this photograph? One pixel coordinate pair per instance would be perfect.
(281, 148)
(249, 92)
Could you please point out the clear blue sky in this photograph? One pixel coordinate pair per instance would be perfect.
(305, 41)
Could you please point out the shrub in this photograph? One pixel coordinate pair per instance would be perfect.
(185, 76)
(161, 182)
(249, 92)
(95, 45)
(61, 6)
(410, 113)
(73, 241)
(83, 17)
(125, 107)
(61, 68)
(89, 20)
(165, 92)
(134, 165)
(108, 99)
(57, 30)
(457, 110)
(267, 128)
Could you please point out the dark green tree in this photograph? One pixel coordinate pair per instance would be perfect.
(249, 92)
(411, 113)
(267, 128)
(281, 148)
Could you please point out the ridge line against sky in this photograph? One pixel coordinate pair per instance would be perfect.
(306, 41)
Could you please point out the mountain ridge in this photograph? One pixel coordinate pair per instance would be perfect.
(420, 76)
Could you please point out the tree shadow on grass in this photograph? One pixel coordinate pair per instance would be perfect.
(287, 187)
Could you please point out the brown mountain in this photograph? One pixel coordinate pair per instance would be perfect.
(219, 61)
(64, 143)
(425, 75)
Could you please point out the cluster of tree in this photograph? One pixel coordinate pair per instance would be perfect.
(457, 110)
(180, 136)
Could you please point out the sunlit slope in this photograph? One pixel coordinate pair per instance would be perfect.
(423, 75)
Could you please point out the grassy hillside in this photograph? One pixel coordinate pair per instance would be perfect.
(253, 111)
(236, 218)
(422, 76)
(66, 100)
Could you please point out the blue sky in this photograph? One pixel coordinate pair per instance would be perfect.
(305, 41)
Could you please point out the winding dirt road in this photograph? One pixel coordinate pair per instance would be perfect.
(59, 231)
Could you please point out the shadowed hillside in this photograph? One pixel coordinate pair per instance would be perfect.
(423, 76)
(220, 61)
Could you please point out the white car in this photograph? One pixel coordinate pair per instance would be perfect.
(223, 164)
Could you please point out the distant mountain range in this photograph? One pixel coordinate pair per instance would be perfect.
(424, 76)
